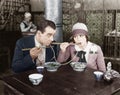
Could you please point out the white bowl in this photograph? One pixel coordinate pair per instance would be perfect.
(35, 78)
(52, 66)
(98, 75)
(78, 66)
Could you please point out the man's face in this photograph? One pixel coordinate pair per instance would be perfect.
(47, 37)
(28, 18)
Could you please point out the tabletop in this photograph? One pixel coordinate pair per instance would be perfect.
(65, 81)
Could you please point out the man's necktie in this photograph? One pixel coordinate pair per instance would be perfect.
(81, 55)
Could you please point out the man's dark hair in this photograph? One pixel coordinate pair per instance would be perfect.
(45, 23)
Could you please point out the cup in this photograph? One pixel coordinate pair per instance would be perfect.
(35, 78)
(98, 75)
(40, 69)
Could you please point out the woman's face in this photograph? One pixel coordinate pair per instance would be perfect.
(80, 39)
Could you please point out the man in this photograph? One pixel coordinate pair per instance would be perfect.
(82, 50)
(24, 60)
(26, 25)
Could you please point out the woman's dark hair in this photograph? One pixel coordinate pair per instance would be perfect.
(45, 23)
(72, 39)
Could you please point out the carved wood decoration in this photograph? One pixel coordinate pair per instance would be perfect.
(8, 10)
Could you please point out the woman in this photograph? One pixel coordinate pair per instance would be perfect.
(82, 50)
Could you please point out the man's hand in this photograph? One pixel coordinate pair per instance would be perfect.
(34, 52)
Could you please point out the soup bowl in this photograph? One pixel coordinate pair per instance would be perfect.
(78, 66)
(52, 66)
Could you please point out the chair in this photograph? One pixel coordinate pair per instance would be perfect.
(4, 59)
(28, 33)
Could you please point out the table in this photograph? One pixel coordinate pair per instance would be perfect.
(65, 81)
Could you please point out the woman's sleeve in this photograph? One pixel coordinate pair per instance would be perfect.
(63, 56)
(100, 60)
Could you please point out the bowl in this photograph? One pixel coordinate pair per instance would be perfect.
(78, 66)
(35, 78)
(52, 66)
(98, 75)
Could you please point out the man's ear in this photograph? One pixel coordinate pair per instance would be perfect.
(39, 32)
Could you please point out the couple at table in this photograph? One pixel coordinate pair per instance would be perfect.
(42, 50)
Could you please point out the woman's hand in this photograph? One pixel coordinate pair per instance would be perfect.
(63, 46)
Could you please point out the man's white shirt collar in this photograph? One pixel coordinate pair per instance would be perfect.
(37, 44)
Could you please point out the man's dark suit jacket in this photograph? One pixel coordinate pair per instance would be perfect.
(22, 60)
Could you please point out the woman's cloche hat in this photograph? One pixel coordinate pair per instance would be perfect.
(79, 28)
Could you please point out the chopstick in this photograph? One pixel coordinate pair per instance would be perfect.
(57, 43)
(25, 49)
(54, 43)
